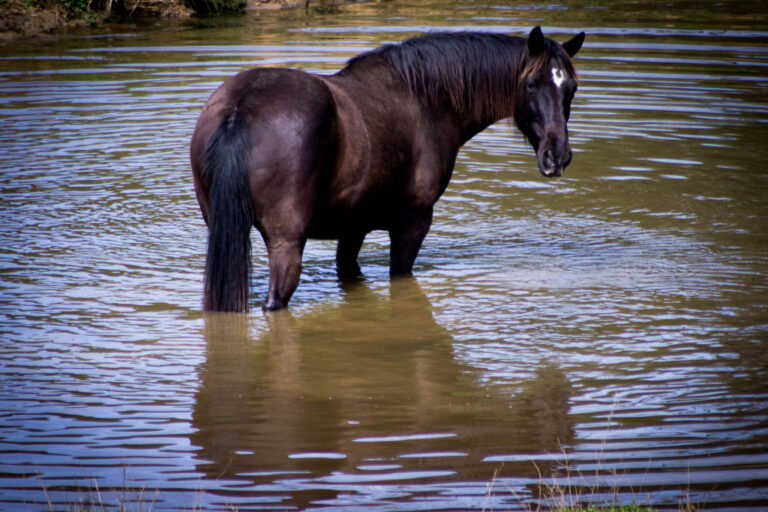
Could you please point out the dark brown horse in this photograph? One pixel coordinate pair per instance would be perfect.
(303, 156)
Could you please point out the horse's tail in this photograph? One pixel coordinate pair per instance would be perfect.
(230, 217)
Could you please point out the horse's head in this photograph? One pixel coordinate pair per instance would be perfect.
(543, 103)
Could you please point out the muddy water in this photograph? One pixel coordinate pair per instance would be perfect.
(607, 330)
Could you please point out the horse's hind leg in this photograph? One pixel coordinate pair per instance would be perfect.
(346, 256)
(405, 240)
(284, 271)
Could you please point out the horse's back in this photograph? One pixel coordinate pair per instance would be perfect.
(290, 118)
(279, 104)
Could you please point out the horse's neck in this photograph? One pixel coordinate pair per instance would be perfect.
(479, 109)
(472, 120)
(378, 81)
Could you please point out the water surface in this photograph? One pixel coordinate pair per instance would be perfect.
(607, 330)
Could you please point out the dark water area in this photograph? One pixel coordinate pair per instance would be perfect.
(606, 331)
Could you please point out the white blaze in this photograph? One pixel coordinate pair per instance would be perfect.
(558, 76)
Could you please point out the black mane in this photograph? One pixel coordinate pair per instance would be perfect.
(466, 70)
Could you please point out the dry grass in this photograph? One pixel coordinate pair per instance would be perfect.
(560, 494)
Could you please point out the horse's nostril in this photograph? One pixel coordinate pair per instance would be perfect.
(549, 159)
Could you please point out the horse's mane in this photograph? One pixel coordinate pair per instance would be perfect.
(466, 69)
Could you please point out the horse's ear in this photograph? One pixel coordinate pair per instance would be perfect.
(535, 42)
(574, 45)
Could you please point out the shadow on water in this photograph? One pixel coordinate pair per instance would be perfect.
(367, 391)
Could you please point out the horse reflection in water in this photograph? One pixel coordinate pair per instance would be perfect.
(362, 384)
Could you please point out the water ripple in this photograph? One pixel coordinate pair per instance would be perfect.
(609, 325)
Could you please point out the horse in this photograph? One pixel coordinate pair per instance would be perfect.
(305, 156)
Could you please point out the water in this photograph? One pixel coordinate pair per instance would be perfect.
(606, 331)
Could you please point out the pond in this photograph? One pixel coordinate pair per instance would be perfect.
(605, 332)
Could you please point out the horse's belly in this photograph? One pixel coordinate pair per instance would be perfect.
(332, 223)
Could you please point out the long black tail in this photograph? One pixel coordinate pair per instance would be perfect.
(230, 217)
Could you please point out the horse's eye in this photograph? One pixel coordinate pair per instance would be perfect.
(530, 84)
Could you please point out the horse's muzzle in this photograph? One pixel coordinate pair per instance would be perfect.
(552, 165)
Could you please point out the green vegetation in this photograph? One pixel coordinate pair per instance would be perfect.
(622, 508)
(31, 17)
(619, 508)
(76, 6)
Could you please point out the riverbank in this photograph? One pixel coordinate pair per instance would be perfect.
(38, 18)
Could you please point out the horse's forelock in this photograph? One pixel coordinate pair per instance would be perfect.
(553, 55)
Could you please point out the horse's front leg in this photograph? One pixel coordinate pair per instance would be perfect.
(284, 271)
(406, 238)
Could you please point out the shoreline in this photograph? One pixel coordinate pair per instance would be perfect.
(29, 19)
